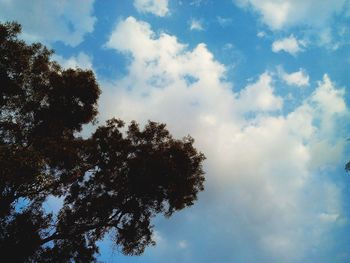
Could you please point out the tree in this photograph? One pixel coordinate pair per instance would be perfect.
(115, 181)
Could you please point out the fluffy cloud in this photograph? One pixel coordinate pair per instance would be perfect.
(284, 14)
(50, 21)
(261, 163)
(82, 61)
(290, 45)
(299, 78)
(260, 96)
(156, 7)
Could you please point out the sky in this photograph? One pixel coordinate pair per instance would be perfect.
(262, 86)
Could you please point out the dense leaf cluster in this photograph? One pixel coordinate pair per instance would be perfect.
(115, 181)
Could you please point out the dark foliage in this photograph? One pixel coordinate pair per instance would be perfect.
(115, 181)
(347, 167)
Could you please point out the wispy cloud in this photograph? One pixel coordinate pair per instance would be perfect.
(224, 21)
(280, 15)
(196, 3)
(182, 244)
(261, 34)
(196, 24)
(156, 7)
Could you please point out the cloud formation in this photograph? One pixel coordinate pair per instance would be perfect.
(279, 15)
(259, 96)
(261, 164)
(196, 24)
(82, 61)
(290, 45)
(51, 21)
(156, 7)
(298, 78)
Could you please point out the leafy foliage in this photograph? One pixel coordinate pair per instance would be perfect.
(115, 181)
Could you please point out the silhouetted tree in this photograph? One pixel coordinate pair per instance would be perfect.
(115, 181)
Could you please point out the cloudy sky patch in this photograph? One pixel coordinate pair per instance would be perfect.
(270, 113)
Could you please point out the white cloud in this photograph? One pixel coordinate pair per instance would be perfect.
(328, 98)
(82, 61)
(261, 34)
(156, 7)
(279, 14)
(196, 24)
(299, 78)
(50, 21)
(260, 96)
(260, 162)
(290, 45)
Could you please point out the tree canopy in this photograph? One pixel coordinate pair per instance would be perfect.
(114, 181)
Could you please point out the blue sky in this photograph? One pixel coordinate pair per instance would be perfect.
(262, 86)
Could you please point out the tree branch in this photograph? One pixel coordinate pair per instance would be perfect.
(110, 222)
